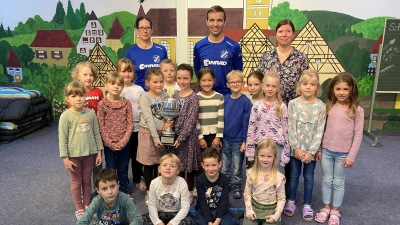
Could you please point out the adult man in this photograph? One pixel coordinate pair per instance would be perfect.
(217, 51)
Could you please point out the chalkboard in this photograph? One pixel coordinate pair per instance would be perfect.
(389, 69)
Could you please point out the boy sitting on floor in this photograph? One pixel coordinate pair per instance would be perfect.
(111, 206)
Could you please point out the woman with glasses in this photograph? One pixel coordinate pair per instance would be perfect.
(145, 54)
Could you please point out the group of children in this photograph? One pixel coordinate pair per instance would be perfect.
(210, 129)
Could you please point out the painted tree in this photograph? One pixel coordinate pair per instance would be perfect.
(72, 19)
(128, 36)
(3, 33)
(111, 54)
(60, 14)
(371, 28)
(4, 50)
(121, 51)
(283, 11)
(353, 59)
(83, 14)
(9, 34)
(75, 58)
(24, 54)
(365, 85)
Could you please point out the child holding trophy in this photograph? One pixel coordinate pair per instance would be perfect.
(187, 143)
(151, 124)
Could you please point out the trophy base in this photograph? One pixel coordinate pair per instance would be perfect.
(167, 140)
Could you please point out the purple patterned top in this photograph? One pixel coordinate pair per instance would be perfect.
(289, 71)
(264, 123)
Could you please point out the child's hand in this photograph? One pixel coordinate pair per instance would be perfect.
(347, 163)
(176, 144)
(216, 143)
(160, 223)
(203, 143)
(243, 147)
(269, 219)
(298, 154)
(307, 158)
(252, 217)
(158, 144)
(318, 156)
(98, 159)
(69, 165)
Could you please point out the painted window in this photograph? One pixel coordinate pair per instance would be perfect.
(41, 54)
(87, 32)
(85, 40)
(254, 13)
(82, 50)
(259, 13)
(92, 40)
(190, 52)
(101, 32)
(98, 40)
(56, 54)
(110, 42)
(167, 46)
(94, 32)
(93, 24)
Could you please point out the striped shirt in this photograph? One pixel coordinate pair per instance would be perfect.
(211, 115)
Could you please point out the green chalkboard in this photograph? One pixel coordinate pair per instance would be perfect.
(389, 69)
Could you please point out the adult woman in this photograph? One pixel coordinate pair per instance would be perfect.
(285, 60)
(145, 54)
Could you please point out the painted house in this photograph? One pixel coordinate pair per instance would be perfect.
(115, 34)
(52, 47)
(92, 34)
(374, 56)
(256, 12)
(13, 67)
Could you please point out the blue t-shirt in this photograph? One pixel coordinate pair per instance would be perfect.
(222, 57)
(143, 59)
(236, 118)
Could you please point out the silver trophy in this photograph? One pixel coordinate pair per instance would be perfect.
(169, 108)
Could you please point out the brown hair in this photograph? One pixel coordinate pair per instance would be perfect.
(353, 96)
(140, 18)
(278, 95)
(74, 87)
(216, 8)
(93, 69)
(187, 67)
(211, 153)
(285, 22)
(127, 63)
(256, 74)
(203, 71)
(104, 175)
(114, 77)
(256, 169)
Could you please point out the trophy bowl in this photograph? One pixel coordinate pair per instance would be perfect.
(170, 108)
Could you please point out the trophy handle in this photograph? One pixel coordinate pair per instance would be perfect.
(182, 103)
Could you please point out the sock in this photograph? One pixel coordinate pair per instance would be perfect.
(307, 206)
(291, 201)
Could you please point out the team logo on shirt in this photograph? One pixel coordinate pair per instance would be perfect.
(156, 58)
(224, 54)
(208, 62)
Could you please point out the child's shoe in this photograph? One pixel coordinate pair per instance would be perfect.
(194, 192)
(289, 209)
(308, 214)
(79, 213)
(146, 198)
(142, 185)
(237, 193)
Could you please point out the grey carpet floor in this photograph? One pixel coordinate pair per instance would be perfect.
(34, 186)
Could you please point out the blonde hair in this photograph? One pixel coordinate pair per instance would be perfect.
(127, 63)
(114, 77)
(74, 87)
(235, 73)
(75, 70)
(256, 169)
(168, 61)
(278, 95)
(305, 76)
(173, 158)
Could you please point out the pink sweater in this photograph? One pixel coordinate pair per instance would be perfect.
(115, 122)
(344, 133)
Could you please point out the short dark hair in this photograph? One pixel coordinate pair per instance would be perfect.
(104, 175)
(142, 18)
(285, 22)
(216, 8)
(187, 67)
(203, 71)
(211, 153)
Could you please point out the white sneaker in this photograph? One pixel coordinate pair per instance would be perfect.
(146, 198)
(194, 192)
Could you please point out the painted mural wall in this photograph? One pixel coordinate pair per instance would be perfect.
(42, 42)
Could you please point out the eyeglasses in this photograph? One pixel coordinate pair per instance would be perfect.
(144, 28)
(235, 82)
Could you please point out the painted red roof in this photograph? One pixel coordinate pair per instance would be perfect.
(116, 30)
(52, 38)
(375, 49)
(141, 11)
(13, 60)
(235, 34)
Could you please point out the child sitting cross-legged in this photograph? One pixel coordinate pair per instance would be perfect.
(213, 193)
(110, 206)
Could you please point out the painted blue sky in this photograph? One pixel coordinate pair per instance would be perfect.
(10, 16)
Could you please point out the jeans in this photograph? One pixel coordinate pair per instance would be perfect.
(229, 218)
(333, 174)
(119, 161)
(308, 174)
(230, 154)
